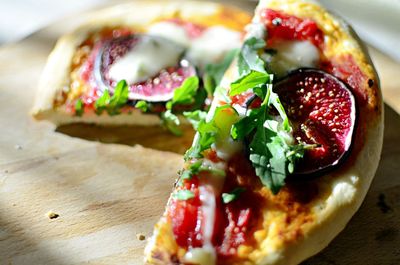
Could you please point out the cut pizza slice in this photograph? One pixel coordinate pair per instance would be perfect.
(287, 152)
(126, 63)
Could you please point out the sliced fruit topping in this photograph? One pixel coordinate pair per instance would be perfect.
(152, 66)
(323, 114)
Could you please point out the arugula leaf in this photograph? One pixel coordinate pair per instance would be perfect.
(142, 105)
(246, 125)
(79, 107)
(183, 195)
(248, 59)
(251, 80)
(207, 132)
(194, 117)
(171, 122)
(102, 102)
(113, 104)
(214, 72)
(233, 195)
(185, 94)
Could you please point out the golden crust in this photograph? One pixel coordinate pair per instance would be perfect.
(136, 15)
(315, 222)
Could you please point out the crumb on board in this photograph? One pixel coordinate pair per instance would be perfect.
(140, 237)
(18, 147)
(52, 215)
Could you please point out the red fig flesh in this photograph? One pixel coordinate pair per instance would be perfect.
(322, 111)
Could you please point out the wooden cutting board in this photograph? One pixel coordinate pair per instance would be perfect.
(106, 193)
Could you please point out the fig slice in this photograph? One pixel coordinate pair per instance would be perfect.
(158, 88)
(322, 111)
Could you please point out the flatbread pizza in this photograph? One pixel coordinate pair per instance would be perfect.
(287, 151)
(124, 63)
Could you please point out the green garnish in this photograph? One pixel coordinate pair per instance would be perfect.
(79, 107)
(185, 94)
(209, 131)
(233, 195)
(171, 122)
(142, 105)
(271, 152)
(194, 117)
(183, 195)
(113, 104)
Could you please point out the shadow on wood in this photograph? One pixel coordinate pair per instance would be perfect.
(153, 137)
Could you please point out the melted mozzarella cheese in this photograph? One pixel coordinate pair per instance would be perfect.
(212, 45)
(256, 30)
(200, 256)
(170, 31)
(292, 55)
(148, 57)
(227, 147)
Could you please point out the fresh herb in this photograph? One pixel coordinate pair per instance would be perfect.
(248, 59)
(271, 151)
(208, 131)
(183, 195)
(252, 80)
(113, 104)
(214, 72)
(79, 107)
(185, 94)
(233, 195)
(142, 105)
(195, 117)
(171, 122)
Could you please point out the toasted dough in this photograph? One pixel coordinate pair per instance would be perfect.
(136, 15)
(313, 224)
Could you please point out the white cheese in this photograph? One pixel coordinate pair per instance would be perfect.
(213, 44)
(200, 256)
(227, 147)
(256, 30)
(146, 59)
(171, 31)
(292, 55)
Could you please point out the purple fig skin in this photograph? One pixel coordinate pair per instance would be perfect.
(113, 49)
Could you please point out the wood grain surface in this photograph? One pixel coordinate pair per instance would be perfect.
(107, 188)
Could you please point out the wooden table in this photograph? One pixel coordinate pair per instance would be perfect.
(105, 194)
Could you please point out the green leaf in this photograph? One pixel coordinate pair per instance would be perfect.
(246, 125)
(249, 81)
(113, 104)
(214, 72)
(171, 122)
(194, 117)
(120, 96)
(233, 195)
(79, 107)
(248, 59)
(185, 94)
(183, 195)
(142, 105)
(102, 102)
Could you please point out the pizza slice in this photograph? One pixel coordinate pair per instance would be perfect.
(288, 150)
(126, 63)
